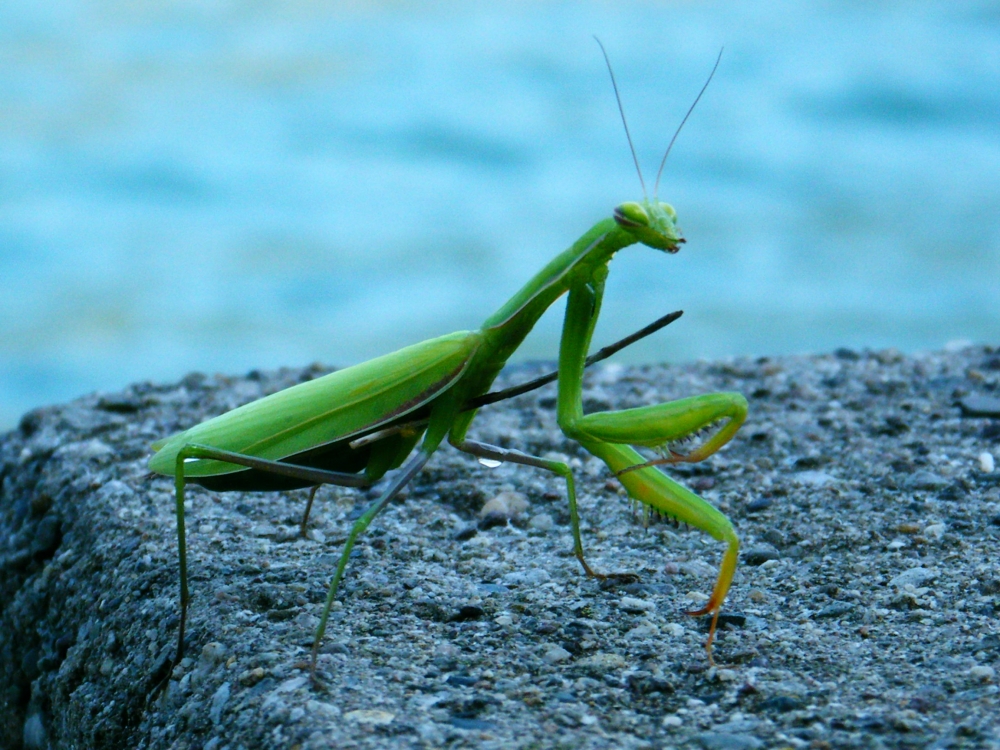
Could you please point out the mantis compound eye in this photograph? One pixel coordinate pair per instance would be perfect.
(669, 210)
(631, 215)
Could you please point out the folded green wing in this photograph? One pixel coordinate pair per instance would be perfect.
(330, 408)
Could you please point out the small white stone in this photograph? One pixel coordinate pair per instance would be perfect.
(541, 522)
(986, 462)
(556, 654)
(506, 504)
(982, 672)
(672, 721)
(935, 531)
(643, 631)
(219, 700)
(957, 345)
(370, 716)
(913, 577)
(634, 605)
(503, 620)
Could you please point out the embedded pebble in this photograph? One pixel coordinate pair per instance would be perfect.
(837, 609)
(372, 716)
(935, 530)
(982, 672)
(726, 741)
(758, 504)
(760, 554)
(541, 522)
(601, 663)
(556, 654)
(977, 405)
(814, 478)
(925, 480)
(219, 699)
(913, 577)
(635, 606)
(507, 505)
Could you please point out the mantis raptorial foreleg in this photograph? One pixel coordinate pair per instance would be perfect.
(608, 435)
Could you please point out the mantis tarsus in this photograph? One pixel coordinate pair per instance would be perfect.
(353, 426)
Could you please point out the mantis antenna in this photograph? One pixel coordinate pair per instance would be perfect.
(621, 110)
(656, 187)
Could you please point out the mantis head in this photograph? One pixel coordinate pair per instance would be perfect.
(652, 223)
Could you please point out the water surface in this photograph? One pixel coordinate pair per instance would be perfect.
(232, 186)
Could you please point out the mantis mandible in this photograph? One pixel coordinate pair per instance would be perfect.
(352, 427)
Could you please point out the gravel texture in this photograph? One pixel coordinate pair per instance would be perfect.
(865, 613)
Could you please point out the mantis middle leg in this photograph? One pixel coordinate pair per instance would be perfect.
(496, 453)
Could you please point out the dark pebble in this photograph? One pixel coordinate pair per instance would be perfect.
(488, 589)
(493, 519)
(892, 427)
(760, 554)
(758, 504)
(47, 537)
(833, 610)
(727, 741)
(461, 680)
(925, 480)
(726, 621)
(781, 704)
(468, 612)
(120, 404)
(643, 683)
(849, 354)
(466, 533)
(977, 405)
(472, 724)
(811, 462)
(774, 538)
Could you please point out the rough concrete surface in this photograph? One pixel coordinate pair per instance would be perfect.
(864, 487)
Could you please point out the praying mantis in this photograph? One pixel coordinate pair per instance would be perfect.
(390, 414)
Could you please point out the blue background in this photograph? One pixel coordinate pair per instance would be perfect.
(226, 186)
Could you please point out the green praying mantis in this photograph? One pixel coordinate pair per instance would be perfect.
(390, 414)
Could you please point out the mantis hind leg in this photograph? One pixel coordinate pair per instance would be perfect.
(400, 480)
(496, 453)
(195, 451)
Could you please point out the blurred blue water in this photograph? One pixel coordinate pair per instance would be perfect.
(224, 186)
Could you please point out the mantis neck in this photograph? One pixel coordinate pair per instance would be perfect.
(503, 332)
(508, 326)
